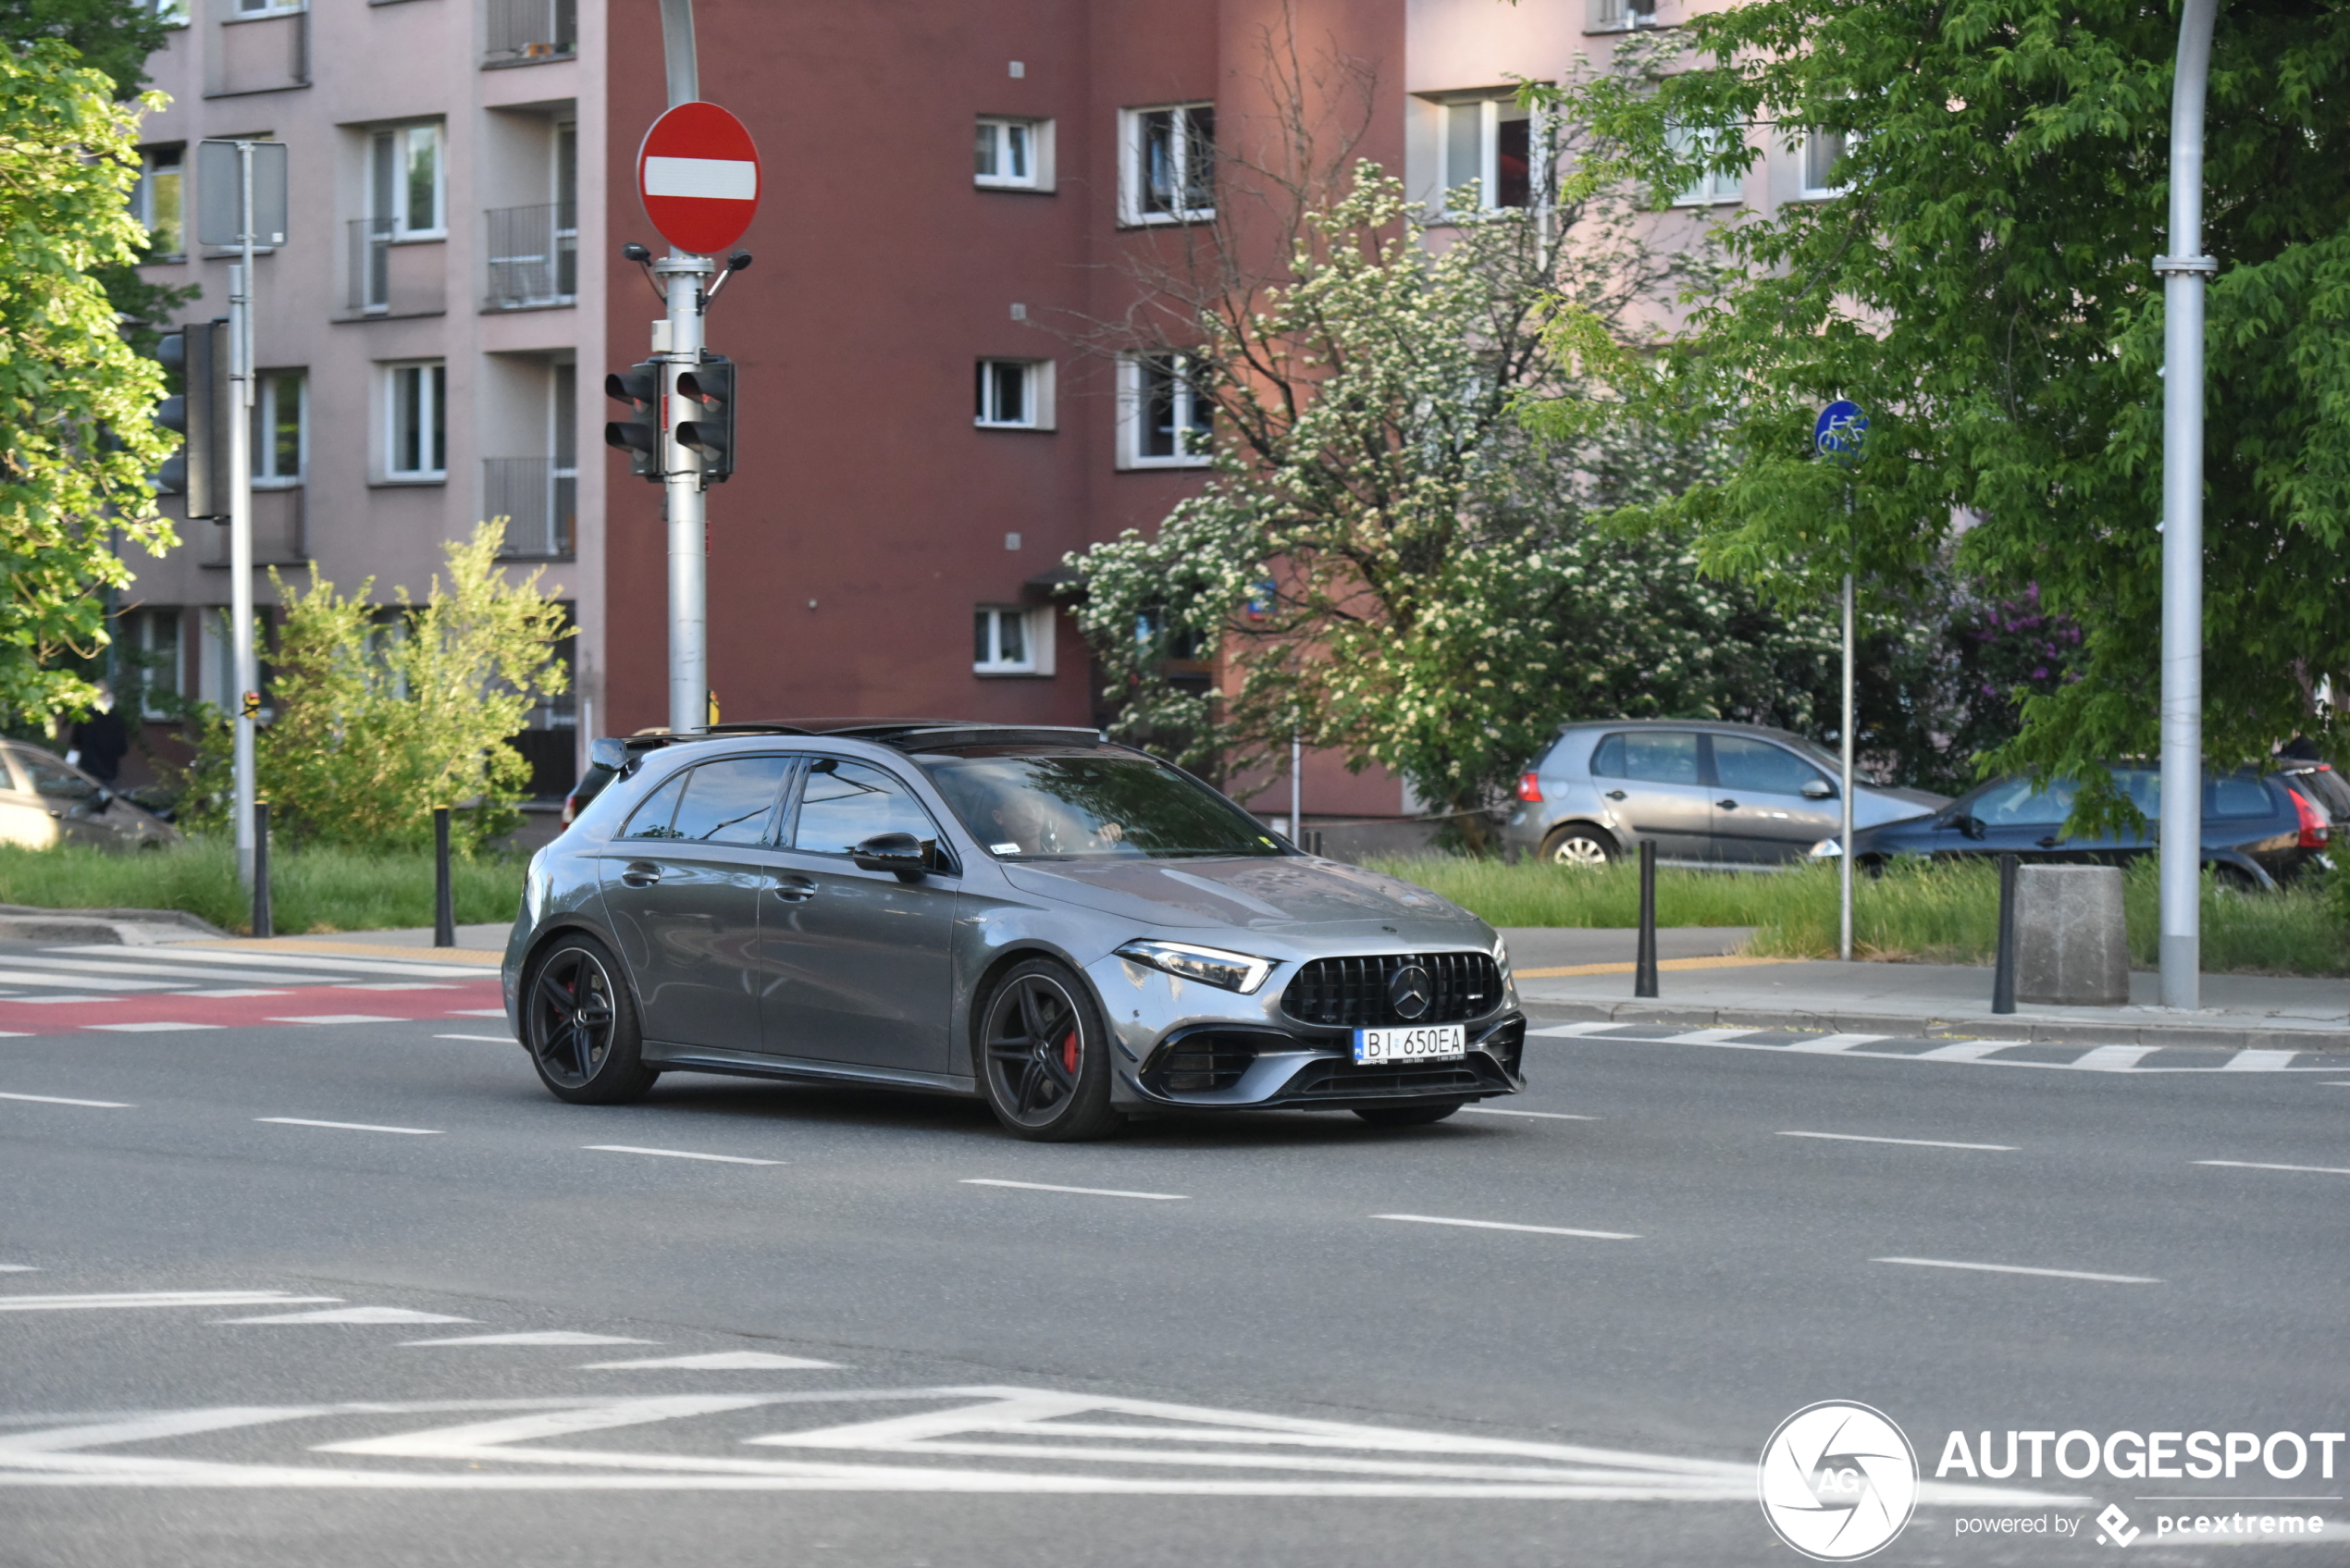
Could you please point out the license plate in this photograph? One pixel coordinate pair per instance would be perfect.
(1431, 1043)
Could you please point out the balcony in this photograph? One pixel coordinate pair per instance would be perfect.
(539, 499)
(534, 257)
(526, 32)
(387, 278)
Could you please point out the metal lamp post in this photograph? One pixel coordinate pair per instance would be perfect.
(2183, 273)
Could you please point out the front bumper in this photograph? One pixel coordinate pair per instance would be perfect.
(1247, 1067)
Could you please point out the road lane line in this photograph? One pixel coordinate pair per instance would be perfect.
(245, 991)
(60, 1100)
(1082, 1191)
(1546, 1116)
(1706, 1036)
(545, 1337)
(369, 1314)
(1504, 1225)
(2115, 1058)
(1912, 1143)
(85, 982)
(2256, 1165)
(716, 1361)
(492, 1039)
(352, 1126)
(211, 957)
(1967, 1051)
(51, 1001)
(1833, 1043)
(398, 986)
(1576, 1030)
(146, 1028)
(340, 1018)
(477, 1013)
(2258, 1061)
(676, 1153)
(150, 969)
(87, 1302)
(20, 1268)
(2017, 1268)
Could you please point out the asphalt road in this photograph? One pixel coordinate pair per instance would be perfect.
(1229, 1352)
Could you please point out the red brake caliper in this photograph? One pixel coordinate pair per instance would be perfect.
(1069, 1053)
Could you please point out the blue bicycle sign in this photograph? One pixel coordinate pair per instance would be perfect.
(1839, 431)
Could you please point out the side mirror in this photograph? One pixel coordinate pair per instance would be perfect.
(608, 751)
(908, 857)
(1971, 825)
(103, 799)
(1818, 789)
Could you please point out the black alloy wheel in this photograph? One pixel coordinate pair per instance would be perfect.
(581, 1026)
(1044, 1056)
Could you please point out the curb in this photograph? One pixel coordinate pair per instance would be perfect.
(2016, 1026)
(23, 923)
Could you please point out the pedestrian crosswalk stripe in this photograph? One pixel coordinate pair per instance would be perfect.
(82, 982)
(340, 1018)
(1981, 1053)
(248, 962)
(86, 1302)
(350, 1314)
(547, 1336)
(719, 1361)
(157, 967)
(153, 1027)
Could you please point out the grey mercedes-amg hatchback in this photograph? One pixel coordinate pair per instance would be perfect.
(1068, 927)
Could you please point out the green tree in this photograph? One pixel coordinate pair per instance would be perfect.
(76, 402)
(379, 719)
(112, 37)
(1982, 287)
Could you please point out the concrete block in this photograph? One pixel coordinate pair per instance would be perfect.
(2071, 945)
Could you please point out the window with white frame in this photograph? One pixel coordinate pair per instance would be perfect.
(1168, 164)
(158, 201)
(1489, 143)
(1014, 394)
(171, 13)
(1013, 155)
(270, 8)
(147, 671)
(1618, 15)
(1012, 640)
(1164, 420)
(1715, 185)
(1822, 150)
(280, 428)
(416, 421)
(407, 184)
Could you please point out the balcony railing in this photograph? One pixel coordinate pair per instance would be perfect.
(525, 31)
(534, 257)
(539, 498)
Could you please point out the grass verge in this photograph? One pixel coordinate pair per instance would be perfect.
(310, 890)
(1919, 912)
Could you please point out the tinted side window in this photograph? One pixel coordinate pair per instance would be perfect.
(728, 801)
(1758, 766)
(2013, 803)
(1660, 757)
(652, 818)
(1607, 761)
(55, 779)
(2237, 797)
(843, 804)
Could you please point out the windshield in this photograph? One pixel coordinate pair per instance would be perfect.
(1092, 805)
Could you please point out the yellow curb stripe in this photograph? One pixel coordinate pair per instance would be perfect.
(1727, 961)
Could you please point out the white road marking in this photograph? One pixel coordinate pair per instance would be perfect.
(2256, 1165)
(1574, 1031)
(398, 986)
(676, 1153)
(82, 982)
(241, 991)
(478, 1013)
(1706, 1036)
(340, 1018)
(1831, 1043)
(146, 1028)
(51, 1001)
(19, 1268)
(1504, 1225)
(352, 1315)
(1968, 1050)
(718, 1360)
(2015, 1269)
(544, 1337)
(1913, 1143)
(1973, 1053)
(2115, 1058)
(492, 1039)
(1546, 1116)
(399, 970)
(350, 1126)
(148, 968)
(13, 1034)
(88, 1303)
(60, 1100)
(2258, 1061)
(1082, 1191)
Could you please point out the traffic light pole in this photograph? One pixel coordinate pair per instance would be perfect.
(240, 416)
(682, 275)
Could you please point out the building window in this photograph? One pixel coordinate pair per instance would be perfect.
(147, 662)
(1618, 15)
(406, 183)
(280, 428)
(171, 13)
(1013, 155)
(1011, 640)
(416, 424)
(1164, 420)
(1169, 165)
(269, 7)
(1489, 143)
(1714, 186)
(158, 201)
(1014, 394)
(1822, 150)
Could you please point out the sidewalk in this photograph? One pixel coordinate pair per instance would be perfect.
(480, 944)
(2239, 1011)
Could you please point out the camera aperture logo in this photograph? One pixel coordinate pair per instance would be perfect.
(1838, 1481)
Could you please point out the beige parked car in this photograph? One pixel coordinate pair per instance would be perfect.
(45, 801)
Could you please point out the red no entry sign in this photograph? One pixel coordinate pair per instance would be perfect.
(699, 175)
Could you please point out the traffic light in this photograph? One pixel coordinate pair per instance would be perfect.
(710, 387)
(201, 412)
(639, 386)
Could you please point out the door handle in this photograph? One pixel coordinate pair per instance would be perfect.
(640, 873)
(1727, 805)
(1615, 794)
(794, 890)
(2048, 843)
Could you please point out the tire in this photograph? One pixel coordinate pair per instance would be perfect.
(580, 1026)
(1043, 1055)
(1579, 845)
(1406, 1116)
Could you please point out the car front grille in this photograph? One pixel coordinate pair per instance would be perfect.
(1353, 992)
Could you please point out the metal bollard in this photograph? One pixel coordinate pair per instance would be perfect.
(444, 895)
(2003, 976)
(1644, 966)
(264, 918)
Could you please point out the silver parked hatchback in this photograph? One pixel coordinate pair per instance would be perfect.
(1705, 792)
(1070, 929)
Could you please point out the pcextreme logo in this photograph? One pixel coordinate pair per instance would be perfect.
(1838, 1481)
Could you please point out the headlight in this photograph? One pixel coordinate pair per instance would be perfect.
(1209, 965)
(1827, 849)
(1501, 955)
